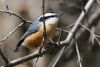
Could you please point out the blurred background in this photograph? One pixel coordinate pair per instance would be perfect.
(30, 10)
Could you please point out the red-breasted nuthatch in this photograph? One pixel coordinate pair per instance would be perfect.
(33, 37)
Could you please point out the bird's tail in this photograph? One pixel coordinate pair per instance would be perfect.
(18, 45)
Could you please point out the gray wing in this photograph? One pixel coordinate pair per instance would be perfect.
(32, 29)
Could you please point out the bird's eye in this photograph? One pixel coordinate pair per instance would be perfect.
(42, 19)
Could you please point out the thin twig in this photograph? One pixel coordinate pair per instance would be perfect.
(87, 29)
(44, 26)
(6, 4)
(94, 36)
(43, 7)
(66, 28)
(10, 33)
(78, 55)
(71, 25)
(97, 35)
(65, 31)
(16, 15)
(60, 36)
(92, 33)
(36, 62)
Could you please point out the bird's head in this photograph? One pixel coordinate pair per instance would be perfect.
(50, 18)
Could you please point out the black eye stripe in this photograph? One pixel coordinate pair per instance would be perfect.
(41, 19)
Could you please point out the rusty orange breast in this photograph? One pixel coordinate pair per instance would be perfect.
(36, 39)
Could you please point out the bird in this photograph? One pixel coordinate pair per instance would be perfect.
(33, 37)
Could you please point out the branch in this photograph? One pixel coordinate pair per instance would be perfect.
(77, 23)
(43, 10)
(78, 55)
(16, 15)
(60, 36)
(28, 57)
(65, 31)
(10, 33)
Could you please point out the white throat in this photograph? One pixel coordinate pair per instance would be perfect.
(53, 20)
